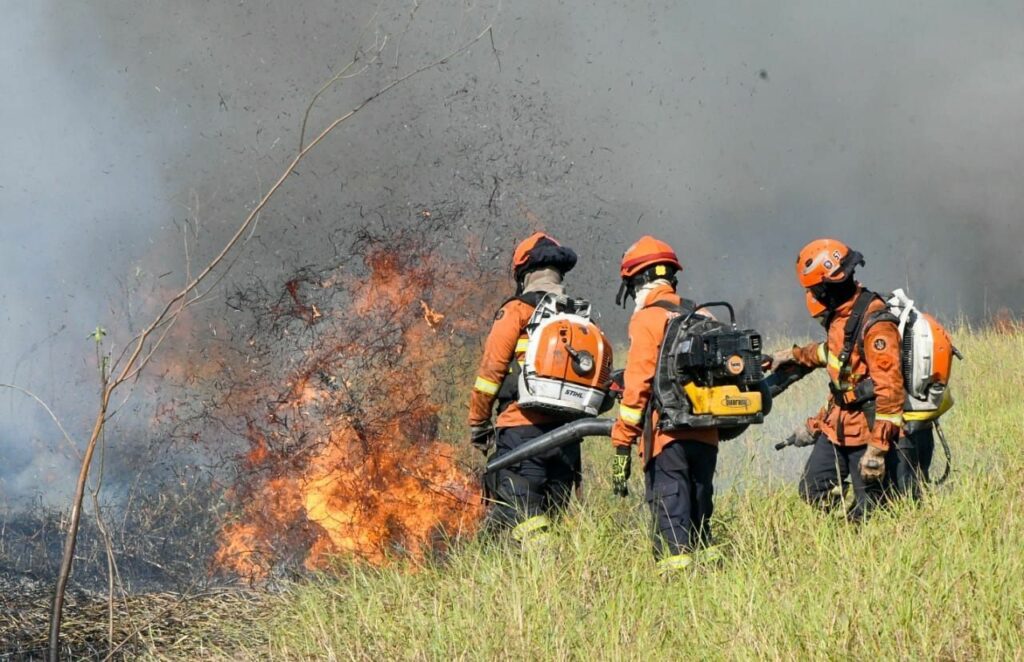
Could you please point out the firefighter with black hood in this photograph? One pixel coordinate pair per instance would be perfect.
(679, 465)
(853, 434)
(525, 494)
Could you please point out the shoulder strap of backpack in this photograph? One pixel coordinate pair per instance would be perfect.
(508, 391)
(684, 307)
(871, 319)
(854, 327)
(531, 299)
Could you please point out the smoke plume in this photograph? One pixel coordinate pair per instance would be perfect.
(737, 132)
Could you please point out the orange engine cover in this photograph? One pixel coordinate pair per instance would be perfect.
(560, 345)
(567, 367)
(942, 351)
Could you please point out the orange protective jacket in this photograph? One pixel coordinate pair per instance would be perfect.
(880, 360)
(505, 344)
(646, 333)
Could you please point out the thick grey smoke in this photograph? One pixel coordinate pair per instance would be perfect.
(737, 132)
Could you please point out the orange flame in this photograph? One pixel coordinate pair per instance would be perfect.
(431, 316)
(348, 460)
(1005, 323)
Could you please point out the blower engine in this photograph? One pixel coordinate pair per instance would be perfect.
(709, 374)
(568, 360)
(926, 355)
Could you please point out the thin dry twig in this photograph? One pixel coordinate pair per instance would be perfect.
(341, 75)
(53, 417)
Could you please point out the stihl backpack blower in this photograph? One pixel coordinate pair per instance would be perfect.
(926, 354)
(568, 360)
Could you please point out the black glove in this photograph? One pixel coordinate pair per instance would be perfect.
(482, 437)
(622, 465)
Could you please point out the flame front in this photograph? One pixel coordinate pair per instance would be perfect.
(346, 460)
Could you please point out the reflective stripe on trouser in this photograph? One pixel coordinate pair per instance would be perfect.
(674, 563)
(532, 527)
(827, 467)
(710, 554)
(680, 493)
(535, 486)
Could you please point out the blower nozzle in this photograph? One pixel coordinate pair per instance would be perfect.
(561, 436)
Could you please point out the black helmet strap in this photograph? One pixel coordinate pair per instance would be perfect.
(627, 290)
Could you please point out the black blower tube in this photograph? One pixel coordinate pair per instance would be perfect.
(566, 434)
(783, 377)
(770, 387)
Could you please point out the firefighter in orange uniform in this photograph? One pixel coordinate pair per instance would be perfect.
(679, 465)
(524, 494)
(852, 435)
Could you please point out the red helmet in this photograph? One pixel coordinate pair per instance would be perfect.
(647, 252)
(826, 261)
(541, 250)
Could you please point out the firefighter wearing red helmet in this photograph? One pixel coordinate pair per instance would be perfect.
(679, 465)
(852, 435)
(524, 494)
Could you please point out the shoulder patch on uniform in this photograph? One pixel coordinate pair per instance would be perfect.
(879, 344)
(501, 313)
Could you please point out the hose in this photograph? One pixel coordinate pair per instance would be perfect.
(945, 449)
(560, 436)
(575, 431)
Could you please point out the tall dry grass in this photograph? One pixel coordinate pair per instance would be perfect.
(939, 580)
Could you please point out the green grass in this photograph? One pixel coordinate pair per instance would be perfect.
(941, 580)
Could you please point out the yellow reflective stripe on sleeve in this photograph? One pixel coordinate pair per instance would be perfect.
(631, 415)
(521, 345)
(821, 352)
(833, 362)
(485, 386)
(895, 419)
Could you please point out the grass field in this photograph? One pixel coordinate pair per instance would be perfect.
(942, 580)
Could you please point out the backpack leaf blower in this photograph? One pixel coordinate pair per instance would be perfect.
(568, 360)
